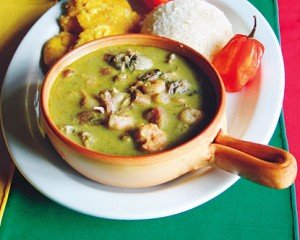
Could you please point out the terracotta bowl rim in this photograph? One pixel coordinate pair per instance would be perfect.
(139, 159)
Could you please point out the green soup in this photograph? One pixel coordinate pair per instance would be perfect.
(131, 100)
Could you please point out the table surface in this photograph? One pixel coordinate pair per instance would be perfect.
(289, 23)
(289, 19)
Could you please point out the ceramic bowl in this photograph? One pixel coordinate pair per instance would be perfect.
(211, 147)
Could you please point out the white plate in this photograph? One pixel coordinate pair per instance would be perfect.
(252, 115)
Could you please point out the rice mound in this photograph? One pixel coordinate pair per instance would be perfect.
(195, 23)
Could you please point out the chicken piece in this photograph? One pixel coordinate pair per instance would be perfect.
(68, 129)
(179, 100)
(117, 61)
(151, 138)
(140, 98)
(180, 86)
(161, 98)
(121, 99)
(114, 100)
(136, 86)
(156, 115)
(126, 102)
(120, 122)
(169, 76)
(106, 100)
(86, 117)
(154, 87)
(100, 109)
(86, 138)
(120, 77)
(57, 46)
(121, 61)
(142, 63)
(129, 60)
(171, 58)
(191, 116)
(150, 76)
(131, 52)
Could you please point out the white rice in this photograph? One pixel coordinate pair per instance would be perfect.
(196, 23)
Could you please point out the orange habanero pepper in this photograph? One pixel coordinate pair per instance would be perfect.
(239, 60)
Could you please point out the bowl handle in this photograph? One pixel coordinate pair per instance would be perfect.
(265, 165)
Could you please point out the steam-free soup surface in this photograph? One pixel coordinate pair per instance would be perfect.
(131, 100)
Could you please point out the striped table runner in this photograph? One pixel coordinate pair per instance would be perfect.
(25, 13)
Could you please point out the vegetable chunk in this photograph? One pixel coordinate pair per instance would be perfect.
(191, 116)
(151, 138)
(120, 122)
(156, 115)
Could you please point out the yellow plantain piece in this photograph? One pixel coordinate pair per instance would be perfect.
(87, 20)
(57, 46)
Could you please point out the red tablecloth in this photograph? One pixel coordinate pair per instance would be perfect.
(289, 15)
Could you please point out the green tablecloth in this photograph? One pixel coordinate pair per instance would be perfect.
(245, 211)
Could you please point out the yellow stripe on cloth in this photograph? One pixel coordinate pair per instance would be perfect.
(6, 174)
(16, 17)
(7, 168)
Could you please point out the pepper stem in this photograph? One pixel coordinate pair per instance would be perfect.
(251, 35)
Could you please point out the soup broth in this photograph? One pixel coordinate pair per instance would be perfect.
(131, 100)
